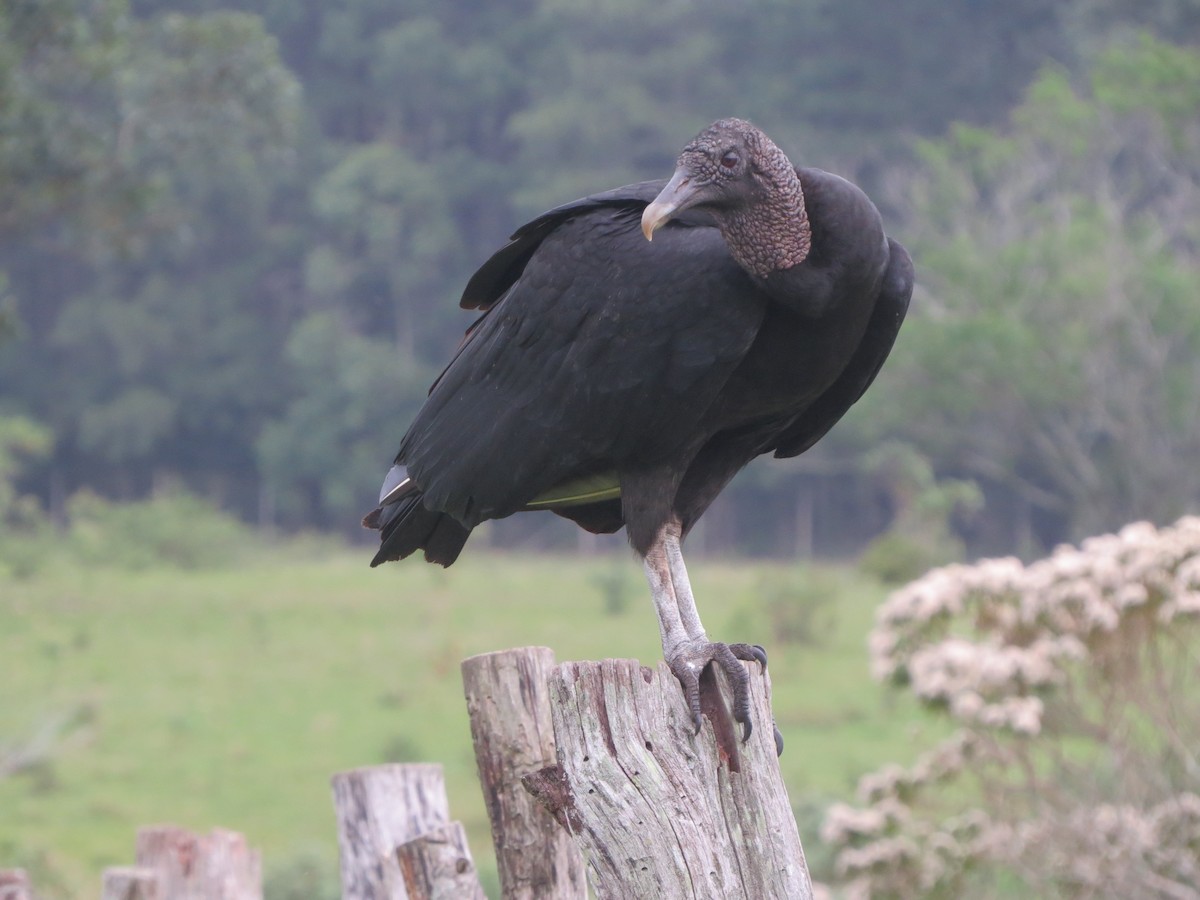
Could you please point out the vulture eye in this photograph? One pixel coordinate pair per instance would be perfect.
(730, 160)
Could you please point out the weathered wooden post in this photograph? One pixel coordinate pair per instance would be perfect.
(216, 866)
(130, 883)
(659, 810)
(437, 866)
(14, 885)
(509, 707)
(380, 809)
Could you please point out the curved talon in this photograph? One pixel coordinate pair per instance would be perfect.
(689, 680)
(761, 655)
(691, 661)
(778, 740)
(750, 653)
(726, 657)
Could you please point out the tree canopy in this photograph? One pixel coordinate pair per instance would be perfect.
(232, 234)
(1056, 349)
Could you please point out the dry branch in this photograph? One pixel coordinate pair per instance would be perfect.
(659, 810)
(438, 866)
(217, 866)
(130, 883)
(509, 707)
(14, 885)
(379, 810)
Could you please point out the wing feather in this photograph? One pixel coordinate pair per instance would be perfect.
(886, 319)
(571, 371)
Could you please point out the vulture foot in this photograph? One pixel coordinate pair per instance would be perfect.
(702, 694)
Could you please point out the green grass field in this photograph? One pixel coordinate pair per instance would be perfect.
(228, 697)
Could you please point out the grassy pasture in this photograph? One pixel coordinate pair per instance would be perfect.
(228, 696)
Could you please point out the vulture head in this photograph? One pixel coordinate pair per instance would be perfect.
(747, 184)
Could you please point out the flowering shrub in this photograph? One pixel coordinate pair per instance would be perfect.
(1076, 682)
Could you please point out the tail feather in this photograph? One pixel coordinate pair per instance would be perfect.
(406, 525)
(446, 541)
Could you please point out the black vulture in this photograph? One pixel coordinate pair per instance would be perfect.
(640, 346)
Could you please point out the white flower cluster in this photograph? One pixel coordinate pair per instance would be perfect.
(1073, 686)
(987, 640)
(894, 782)
(884, 842)
(905, 857)
(1104, 850)
(1111, 850)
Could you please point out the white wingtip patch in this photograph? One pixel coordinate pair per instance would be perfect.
(395, 484)
(394, 492)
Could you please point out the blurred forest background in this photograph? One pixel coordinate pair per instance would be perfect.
(232, 237)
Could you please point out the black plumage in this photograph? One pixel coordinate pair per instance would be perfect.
(618, 380)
